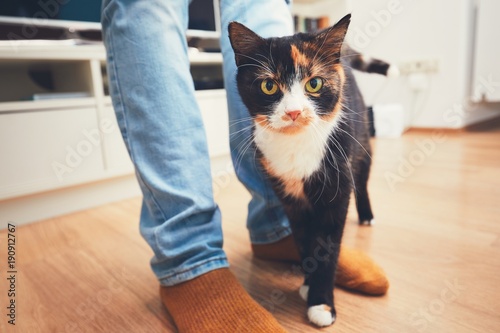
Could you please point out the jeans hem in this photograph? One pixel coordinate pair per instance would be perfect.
(193, 272)
(271, 236)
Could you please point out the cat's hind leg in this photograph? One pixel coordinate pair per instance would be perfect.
(363, 205)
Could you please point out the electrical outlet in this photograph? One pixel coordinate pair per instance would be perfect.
(427, 66)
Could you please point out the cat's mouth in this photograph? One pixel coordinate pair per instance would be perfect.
(286, 124)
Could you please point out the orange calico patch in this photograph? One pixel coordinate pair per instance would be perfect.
(261, 120)
(340, 70)
(294, 188)
(299, 58)
(291, 186)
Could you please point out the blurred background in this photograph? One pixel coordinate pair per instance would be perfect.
(68, 188)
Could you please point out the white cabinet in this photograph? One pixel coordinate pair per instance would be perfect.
(48, 149)
(48, 145)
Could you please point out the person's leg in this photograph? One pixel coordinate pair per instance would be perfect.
(153, 97)
(266, 220)
(267, 223)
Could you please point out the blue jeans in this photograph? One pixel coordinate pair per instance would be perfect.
(154, 100)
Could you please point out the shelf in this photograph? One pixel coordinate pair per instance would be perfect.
(65, 51)
(204, 58)
(208, 93)
(51, 51)
(47, 104)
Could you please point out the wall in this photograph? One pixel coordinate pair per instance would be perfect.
(417, 29)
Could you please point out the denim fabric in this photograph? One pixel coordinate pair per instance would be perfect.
(155, 105)
(266, 220)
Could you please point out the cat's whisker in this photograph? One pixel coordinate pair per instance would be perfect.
(255, 65)
(262, 64)
(319, 49)
(235, 134)
(257, 166)
(257, 78)
(343, 119)
(248, 143)
(367, 153)
(347, 108)
(317, 138)
(239, 135)
(251, 58)
(241, 147)
(332, 154)
(326, 65)
(240, 119)
(337, 59)
(348, 163)
(241, 154)
(246, 123)
(242, 144)
(246, 128)
(342, 56)
(333, 162)
(336, 166)
(271, 55)
(268, 61)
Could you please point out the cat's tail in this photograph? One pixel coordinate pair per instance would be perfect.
(365, 64)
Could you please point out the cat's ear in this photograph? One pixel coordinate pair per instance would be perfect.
(244, 41)
(333, 37)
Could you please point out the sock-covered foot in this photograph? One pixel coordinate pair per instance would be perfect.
(355, 270)
(216, 302)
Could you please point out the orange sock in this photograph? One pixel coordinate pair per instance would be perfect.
(355, 270)
(216, 302)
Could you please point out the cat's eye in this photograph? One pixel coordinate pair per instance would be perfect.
(314, 85)
(269, 87)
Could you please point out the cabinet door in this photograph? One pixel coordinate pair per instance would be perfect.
(117, 157)
(45, 150)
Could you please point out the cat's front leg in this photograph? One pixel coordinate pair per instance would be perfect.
(325, 234)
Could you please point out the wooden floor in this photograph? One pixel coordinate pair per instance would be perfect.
(437, 236)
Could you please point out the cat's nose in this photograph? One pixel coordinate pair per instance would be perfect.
(293, 114)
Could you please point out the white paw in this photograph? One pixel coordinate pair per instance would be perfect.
(367, 222)
(303, 292)
(320, 315)
(393, 71)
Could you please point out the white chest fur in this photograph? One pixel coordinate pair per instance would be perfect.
(296, 155)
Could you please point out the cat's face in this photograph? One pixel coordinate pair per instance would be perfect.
(290, 83)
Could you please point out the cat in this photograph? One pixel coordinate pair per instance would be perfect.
(310, 131)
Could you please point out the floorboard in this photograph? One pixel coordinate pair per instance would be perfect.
(437, 207)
